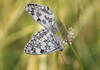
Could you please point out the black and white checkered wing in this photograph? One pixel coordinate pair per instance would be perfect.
(43, 42)
(41, 14)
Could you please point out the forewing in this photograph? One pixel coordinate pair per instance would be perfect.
(43, 42)
(41, 14)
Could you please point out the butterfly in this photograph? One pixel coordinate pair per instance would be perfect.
(45, 41)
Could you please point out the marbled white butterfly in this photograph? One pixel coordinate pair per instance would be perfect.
(44, 41)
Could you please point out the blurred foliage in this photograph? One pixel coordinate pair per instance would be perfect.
(16, 28)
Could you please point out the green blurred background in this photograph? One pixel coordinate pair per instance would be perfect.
(17, 27)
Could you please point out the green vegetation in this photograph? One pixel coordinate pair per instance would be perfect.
(17, 27)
